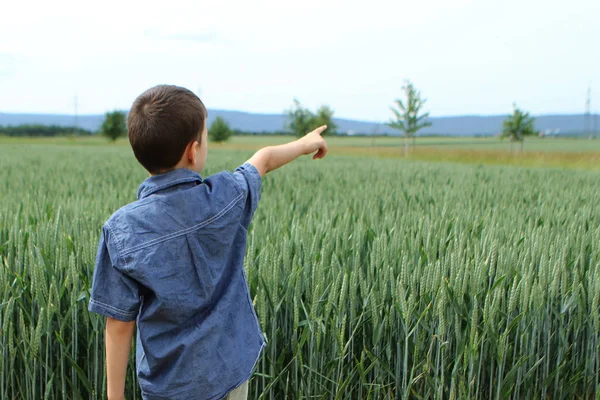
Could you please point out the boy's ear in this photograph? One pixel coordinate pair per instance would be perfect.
(190, 152)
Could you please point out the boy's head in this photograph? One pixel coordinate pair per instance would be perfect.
(167, 129)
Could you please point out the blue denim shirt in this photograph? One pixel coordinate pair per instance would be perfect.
(173, 261)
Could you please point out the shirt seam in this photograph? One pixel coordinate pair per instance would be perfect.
(173, 235)
(237, 184)
(251, 169)
(255, 316)
(117, 241)
(113, 309)
(256, 177)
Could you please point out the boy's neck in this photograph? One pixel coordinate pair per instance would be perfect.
(182, 164)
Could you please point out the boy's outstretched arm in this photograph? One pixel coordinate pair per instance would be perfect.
(118, 344)
(270, 158)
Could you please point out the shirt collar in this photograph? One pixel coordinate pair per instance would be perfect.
(167, 180)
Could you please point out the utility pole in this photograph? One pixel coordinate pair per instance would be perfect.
(374, 134)
(586, 118)
(76, 105)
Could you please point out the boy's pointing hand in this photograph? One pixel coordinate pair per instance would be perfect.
(270, 158)
(313, 141)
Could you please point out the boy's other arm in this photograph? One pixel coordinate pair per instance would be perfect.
(270, 158)
(118, 344)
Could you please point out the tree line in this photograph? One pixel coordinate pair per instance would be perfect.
(300, 120)
(42, 130)
(408, 118)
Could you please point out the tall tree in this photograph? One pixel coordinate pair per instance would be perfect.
(406, 117)
(299, 119)
(219, 130)
(518, 125)
(114, 125)
(324, 116)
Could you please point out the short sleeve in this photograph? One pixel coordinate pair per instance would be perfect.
(250, 181)
(114, 294)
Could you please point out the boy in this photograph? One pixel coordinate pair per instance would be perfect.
(172, 261)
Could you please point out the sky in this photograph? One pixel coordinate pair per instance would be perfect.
(467, 57)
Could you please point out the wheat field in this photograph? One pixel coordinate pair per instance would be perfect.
(373, 278)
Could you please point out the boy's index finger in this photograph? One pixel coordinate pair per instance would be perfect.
(320, 129)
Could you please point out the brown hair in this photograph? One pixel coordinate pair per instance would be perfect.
(161, 123)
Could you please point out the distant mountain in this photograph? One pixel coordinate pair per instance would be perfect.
(454, 126)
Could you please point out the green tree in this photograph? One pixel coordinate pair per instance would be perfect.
(114, 125)
(517, 126)
(219, 130)
(324, 116)
(407, 118)
(299, 119)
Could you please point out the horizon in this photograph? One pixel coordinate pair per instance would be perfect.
(460, 125)
(593, 115)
